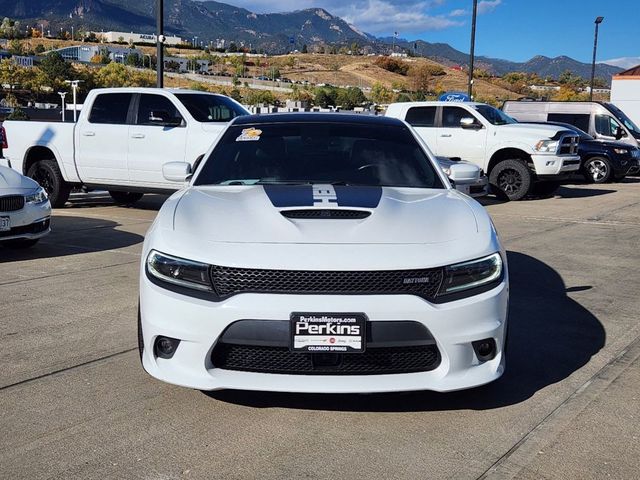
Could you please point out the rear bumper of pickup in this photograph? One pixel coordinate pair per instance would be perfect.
(549, 165)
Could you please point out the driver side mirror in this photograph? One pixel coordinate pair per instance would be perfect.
(620, 133)
(161, 117)
(470, 123)
(177, 171)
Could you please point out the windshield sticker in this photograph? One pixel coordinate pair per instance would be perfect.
(249, 135)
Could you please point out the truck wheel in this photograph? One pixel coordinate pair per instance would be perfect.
(511, 179)
(125, 198)
(48, 175)
(597, 170)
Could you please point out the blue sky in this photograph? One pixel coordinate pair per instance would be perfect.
(510, 29)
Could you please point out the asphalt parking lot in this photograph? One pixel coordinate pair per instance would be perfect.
(75, 403)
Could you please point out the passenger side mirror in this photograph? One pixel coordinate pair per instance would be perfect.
(176, 171)
(462, 173)
(161, 117)
(470, 123)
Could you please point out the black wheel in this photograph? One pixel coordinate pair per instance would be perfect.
(48, 175)
(545, 188)
(125, 198)
(511, 179)
(597, 170)
(20, 243)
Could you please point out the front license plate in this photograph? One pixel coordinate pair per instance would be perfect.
(328, 332)
(5, 224)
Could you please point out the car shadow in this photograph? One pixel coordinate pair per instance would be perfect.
(97, 199)
(73, 235)
(550, 337)
(566, 191)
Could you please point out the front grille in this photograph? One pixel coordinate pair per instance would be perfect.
(229, 281)
(34, 228)
(569, 145)
(326, 214)
(374, 361)
(11, 203)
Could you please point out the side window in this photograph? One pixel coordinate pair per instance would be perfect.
(154, 103)
(451, 116)
(580, 120)
(606, 125)
(110, 108)
(421, 116)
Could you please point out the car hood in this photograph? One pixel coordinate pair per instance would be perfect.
(606, 144)
(253, 214)
(539, 131)
(13, 182)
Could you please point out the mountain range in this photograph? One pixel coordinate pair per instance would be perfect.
(272, 32)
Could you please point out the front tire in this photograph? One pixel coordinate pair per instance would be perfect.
(511, 179)
(125, 198)
(20, 243)
(48, 175)
(597, 170)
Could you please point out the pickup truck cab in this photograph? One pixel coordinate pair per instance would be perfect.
(120, 142)
(518, 158)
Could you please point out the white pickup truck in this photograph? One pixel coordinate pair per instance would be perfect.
(518, 158)
(120, 142)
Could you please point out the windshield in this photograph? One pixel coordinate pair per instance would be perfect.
(319, 153)
(211, 108)
(620, 115)
(493, 115)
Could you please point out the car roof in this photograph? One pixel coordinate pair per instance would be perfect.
(435, 104)
(313, 117)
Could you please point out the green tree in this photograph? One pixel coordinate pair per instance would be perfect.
(381, 94)
(39, 49)
(349, 98)
(326, 97)
(55, 70)
(133, 60)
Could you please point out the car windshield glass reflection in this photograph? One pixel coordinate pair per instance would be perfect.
(317, 153)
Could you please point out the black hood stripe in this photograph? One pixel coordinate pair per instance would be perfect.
(283, 196)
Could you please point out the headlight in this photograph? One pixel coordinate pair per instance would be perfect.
(548, 146)
(179, 271)
(472, 274)
(621, 151)
(38, 197)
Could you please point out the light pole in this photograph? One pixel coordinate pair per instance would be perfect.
(62, 95)
(473, 47)
(160, 45)
(598, 21)
(74, 87)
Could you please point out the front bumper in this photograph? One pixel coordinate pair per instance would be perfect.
(475, 190)
(199, 324)
(29, 223)
(546, 165)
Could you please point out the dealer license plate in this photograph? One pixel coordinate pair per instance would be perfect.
(328, 332)
(5, 224)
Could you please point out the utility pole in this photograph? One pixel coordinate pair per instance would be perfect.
(473, 47)
(62, 95)
(160, 44)
(74, 87)
(598, 21)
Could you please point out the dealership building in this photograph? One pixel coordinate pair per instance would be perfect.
(112, 37)
(84, 53)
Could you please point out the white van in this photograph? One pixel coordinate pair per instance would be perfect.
(601, 120)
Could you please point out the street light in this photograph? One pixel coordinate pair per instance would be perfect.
(598, 21)
(473, 47)
(74, 86)
(62, 95)
(160, 38)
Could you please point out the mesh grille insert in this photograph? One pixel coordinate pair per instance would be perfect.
(374, 361)
(229, 281)
(326, 214)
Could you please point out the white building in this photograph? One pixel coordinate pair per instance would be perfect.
(136, 38)
(625, 93)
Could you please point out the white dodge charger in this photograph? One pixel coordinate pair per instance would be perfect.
(322, 253)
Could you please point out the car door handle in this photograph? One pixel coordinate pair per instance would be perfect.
(446, 135)
(137, 135)
(89, 134)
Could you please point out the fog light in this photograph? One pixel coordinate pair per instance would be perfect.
(485, 349)
(165, 347)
